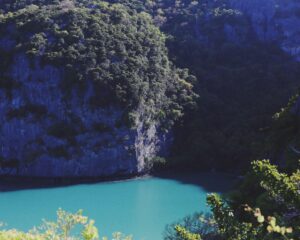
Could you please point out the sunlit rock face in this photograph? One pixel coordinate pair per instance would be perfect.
(274, 21)
(45, 134)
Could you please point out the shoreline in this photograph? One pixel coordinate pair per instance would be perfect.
(15, 183)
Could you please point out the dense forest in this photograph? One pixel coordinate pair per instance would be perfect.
(238, 76)
(200, 74)
(103, 58)
(84, 39)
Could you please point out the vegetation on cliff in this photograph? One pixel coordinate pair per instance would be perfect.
(238, 75)
(121, 51)
(110, 73)
(242, 81)
(238, 80)
(123, 46)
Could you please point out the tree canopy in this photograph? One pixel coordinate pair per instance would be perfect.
(122, 52)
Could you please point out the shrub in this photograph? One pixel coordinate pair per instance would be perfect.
(250, 223)
(62, 229)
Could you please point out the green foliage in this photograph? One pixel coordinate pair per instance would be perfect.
(230, 126)
(197, 224)
(158, 163)
(238, 81)
(247, 223)
(285, 135)
(127, 57)
(228, 226)
(186, 235)
(61, 230)
(279, 185)
(258, 227)
(120, 50)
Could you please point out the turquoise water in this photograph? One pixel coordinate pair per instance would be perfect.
(141, 207)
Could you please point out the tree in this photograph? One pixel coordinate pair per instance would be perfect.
(247, 223)
(61, 229)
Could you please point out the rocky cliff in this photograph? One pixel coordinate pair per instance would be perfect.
(243, 54)
(44, 134)
(218, 23)
(82, 93)
(244, 21)
(274, 21)
(87, 88)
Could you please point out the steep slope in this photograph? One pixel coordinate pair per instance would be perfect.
(274, 20)
(285, 137)
(85, 90)
(244, 54)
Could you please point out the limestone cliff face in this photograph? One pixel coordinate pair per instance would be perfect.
(85, 90)
(43, 133)
(274, 20)
(248, 21)
(296, 108)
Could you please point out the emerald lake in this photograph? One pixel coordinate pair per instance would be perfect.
(141, 207)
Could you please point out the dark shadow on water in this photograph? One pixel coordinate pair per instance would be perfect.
(8, 183)
(209, 181)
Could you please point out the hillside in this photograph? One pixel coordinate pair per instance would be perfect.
(117, 58)
(137, 111)
(85, 90)
(245, 57)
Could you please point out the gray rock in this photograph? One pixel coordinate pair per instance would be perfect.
(46, 134)
(274, 21)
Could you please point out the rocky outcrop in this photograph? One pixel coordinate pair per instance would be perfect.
(296, 107)
(243, 22)
(274, 21)
(81, 93)
(45, 134)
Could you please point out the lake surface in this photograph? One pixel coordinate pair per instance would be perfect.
(141, 207)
